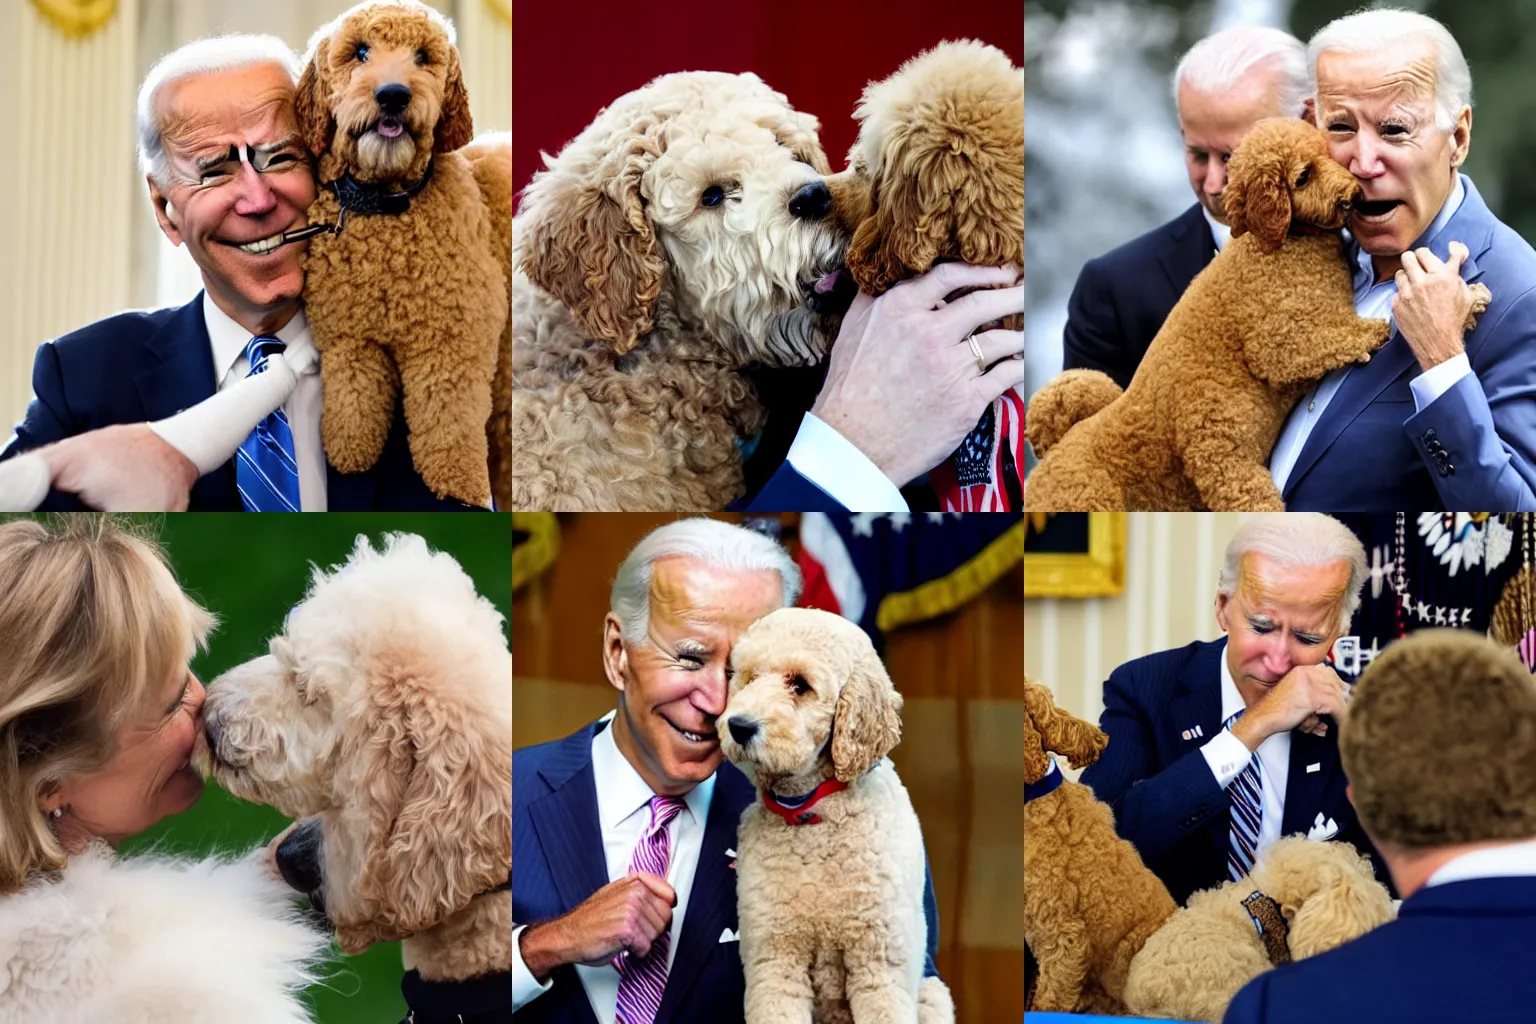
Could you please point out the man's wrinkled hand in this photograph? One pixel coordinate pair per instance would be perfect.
(1432, 304)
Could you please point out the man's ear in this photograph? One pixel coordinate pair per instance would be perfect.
(615, 657)
(1221, 611)
(165, 213)
(1461, 137)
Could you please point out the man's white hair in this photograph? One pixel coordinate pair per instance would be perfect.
(1388, 30)
(1220, 60)
(1297, 538)
(200, 57)
(718, 544)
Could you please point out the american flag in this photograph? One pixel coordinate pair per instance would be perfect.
(985, 473)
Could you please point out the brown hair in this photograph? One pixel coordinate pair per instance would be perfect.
(1440, 742)
(92, 626)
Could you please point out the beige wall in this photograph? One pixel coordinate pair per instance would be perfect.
(82, 241)
(1172, 561)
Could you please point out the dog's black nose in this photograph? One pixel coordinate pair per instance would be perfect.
(742, 730)
(811, 202)
(393, 98)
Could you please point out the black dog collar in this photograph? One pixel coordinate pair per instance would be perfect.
(482, 1000)
(358, 197)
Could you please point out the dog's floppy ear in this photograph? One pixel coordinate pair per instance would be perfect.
(591, 244)
(454, 128)
(867, 723)
(1258, 195)
(436, 800)
(312, 101)
(910, 222)
(1071, 737)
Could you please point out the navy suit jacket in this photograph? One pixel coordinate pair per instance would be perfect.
(1370, 450)
(1457, 952)
(1122, 298)
(558, 861)
(149, 364)
(1165, 799)
(788, 491)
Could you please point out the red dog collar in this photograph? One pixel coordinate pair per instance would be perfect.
(800, 813)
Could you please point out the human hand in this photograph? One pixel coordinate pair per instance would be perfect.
(903, 385)
(1296, 702)
(1432, 304)
(626, 915)
(124, 468)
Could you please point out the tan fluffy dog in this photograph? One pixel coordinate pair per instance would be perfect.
(1257, 328)
(383, 716)
(831, 911)
(675, 241)
(1089, 901)
(412, 304)
(1191, 968)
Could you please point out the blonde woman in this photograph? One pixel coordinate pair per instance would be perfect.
(100, 717)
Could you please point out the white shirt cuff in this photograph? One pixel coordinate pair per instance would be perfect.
(525, 987)
(832, 462)
(1227, 755)
(1437, 380)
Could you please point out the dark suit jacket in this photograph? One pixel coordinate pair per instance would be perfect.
(146, 365)
(1457, 952)
(1122, 298)
(1474, 447)
(558, 861)
(1165, 799)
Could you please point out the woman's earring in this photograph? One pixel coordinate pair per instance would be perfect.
(56, 813)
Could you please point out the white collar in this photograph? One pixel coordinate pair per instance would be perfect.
(229, 339)
(1231, 700)
(1219, 231)
(624, 791)
(1513, 860)
(1452, 204)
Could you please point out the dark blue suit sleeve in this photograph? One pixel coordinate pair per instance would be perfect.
(931, 915)
(788, 491)
(1247, 1007)
(1092, 339)
(47, 418)
(1154, 811)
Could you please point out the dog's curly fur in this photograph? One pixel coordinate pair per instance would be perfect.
(414, 305)
(831, 914)
(637, 305)
(1196, 962)
(385, 709)
(1089, 901)
(937, 172)
(1258, 327)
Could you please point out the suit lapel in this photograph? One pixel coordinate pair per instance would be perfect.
(1192, 250)
(350, 492)
(565, 821)
(712, 899)
(1197, 709)
(1303, 789)
(1471, 225)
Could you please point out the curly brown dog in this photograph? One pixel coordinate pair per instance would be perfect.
(1089, 901)
(410, 296)
(678, 239)
(1259, 327)
(1323, 895)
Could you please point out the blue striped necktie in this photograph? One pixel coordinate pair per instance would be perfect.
(1247, 808)
(265, 469)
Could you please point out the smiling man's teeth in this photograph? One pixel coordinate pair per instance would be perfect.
(266, 245)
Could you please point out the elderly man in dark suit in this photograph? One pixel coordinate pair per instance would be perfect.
(1224, 84)
(1218, 749)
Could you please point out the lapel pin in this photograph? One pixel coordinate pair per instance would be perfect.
(1186, 734)
(1314, 768)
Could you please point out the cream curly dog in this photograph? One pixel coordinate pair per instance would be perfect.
(679, 238)
(382, 715)
(412, 303)
(830, 880)
(1324, 894)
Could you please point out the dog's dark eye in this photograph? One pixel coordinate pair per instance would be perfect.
(712, 196)
(1304, 177)
(421, 57)
(799, 686)
(361, 53)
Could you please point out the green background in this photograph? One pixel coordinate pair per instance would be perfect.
(249, 570)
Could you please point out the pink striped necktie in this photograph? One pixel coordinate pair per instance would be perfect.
(642, 981)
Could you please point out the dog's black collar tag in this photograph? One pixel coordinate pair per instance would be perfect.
(369, 199)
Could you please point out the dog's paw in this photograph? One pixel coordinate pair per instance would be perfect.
(1481, 296)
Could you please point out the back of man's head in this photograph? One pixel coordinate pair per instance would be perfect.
(1440, 742)
(1221, 60)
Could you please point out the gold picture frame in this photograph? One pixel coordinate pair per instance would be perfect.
(1097, 572)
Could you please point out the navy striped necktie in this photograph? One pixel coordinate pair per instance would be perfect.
(1247, 809)
(265, 468)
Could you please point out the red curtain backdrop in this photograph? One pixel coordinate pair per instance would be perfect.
(572, 58)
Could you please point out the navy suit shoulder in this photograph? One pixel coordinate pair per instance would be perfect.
(1456, 952)
(1121, 298)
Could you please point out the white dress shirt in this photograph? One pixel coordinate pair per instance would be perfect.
(623, 814)
(833, 463)
(1517, 860)
(1219, 231)
(1372, 302)
(1228, 756)
(303, 406)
